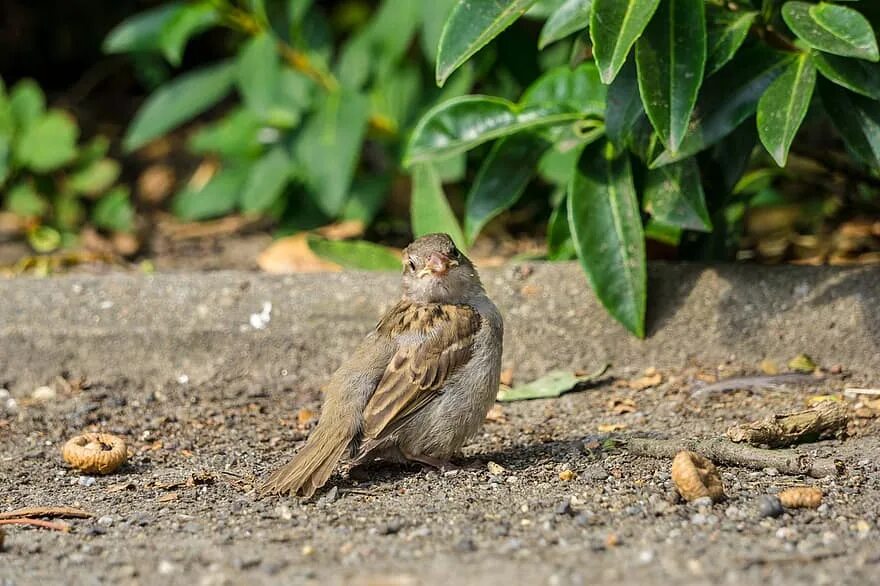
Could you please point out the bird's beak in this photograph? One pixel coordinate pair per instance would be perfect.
(438, 264)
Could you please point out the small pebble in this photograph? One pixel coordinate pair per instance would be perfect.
(166, 567)
(106, 520)
(43, 394)
(563, 507)
(465, 545)
(769, 506)
(307, 550)
(391, 528)
(646, 556)
(495, 469)
(698, 519)
(567, 475)
(702, 502)
(86, 480)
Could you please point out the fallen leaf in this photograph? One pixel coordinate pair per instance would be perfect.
(495, 469)
(496, 414)
(611, 427)
(769, 367)
(293, 255)
(816, 399)
(553, 384)
(646, 382)
(168, 497)
(342, 230)
(620, 406)
(567, 475)
(507, 377)
(530, 290)
(802, 363)
(305, 416)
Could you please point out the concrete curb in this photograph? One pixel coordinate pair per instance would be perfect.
(202, 326)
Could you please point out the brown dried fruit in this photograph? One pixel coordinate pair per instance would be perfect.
(95, 453)
(696, 477)
(567, 475)
(801, 497)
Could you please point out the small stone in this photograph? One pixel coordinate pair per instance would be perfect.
(330, 496)
(563, 507)
(391, 528)
(307, 550)
(106, 520)
(512, 480)
(769, 506)
(595, 473)
(702, 502)
(86, 481)
(699, 519)
(495, 469)
(166, 567)
(771, 471)
(465, 545)
(646, 556)
(43, 394)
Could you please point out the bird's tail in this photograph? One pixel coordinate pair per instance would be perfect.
(312, 465)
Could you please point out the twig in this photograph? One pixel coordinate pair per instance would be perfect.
(825, 420)
(754, 382)
(55, 512)
(54, 525)
(721, 451)
(853, 392)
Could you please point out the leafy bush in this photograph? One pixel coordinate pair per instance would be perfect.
(626, 137)
(50, 180)
(634, 117)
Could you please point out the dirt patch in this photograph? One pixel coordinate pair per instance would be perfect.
(182, 510)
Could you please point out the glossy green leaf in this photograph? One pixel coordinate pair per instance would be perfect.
(560, 245)
(727, 99)
(114, 211)
(727, 31)
(143, 31)
(329, 148)
(614, 27)
(259, 80)
(856, 75)
(674, 195)
(553, 384)
(572, 16)
(670, 56)
(502, 178)
(857, 120)
(217, 197)
(604, 220)
(623, 106)
(430, 210)
(579, 90)
(234, 135)
(782, 108)
(44, 239)
(27, 103)
(831, 28)
(458, 125)
(95, 177)
(434, 15)
(48, 143)
(451, 169)
(266, 180)
(557, 166)
(23, 200)
(663, 233)
(356, 254)
(470, 27)
(178, 101)
(191, 19)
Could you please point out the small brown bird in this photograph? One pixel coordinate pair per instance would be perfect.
(421, 382)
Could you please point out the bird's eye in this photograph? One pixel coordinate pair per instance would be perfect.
(456, 254)
(412, 264)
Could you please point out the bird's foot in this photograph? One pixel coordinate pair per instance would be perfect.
(439, 464)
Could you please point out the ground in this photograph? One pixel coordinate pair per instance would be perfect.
(182, 511)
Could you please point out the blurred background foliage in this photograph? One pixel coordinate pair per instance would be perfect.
(688, 129)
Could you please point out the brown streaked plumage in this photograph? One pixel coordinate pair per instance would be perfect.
(421, 382)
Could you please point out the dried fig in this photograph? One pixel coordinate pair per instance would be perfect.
(695, 477)
(801, 497)
(95, 453)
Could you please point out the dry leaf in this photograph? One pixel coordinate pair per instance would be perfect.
(156, 183)
(620, 406)
(567, 475)
(305, 416)
(769, 367)
(611, 427)
(646, 382)
(342, 230)
(495, 469)
(530, 290)
(496, 414)
(507, 377)
(293, 255)
(816, 399)
(168, 497)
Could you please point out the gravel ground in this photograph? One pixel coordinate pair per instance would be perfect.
(182, 511)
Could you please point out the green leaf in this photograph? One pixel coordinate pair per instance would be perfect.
(727, 99)
(782, 108)
(434, 15)
(177, 101)
(356, 254)
(460, 124)
(856, 75)
(23, 200)
(856, 118)
(557, 166)
(235, 135)
(216, 198)
(674, 195)
(266, 180)
(579, 90)
(259, 77)
(553, 384)
(188, 21)
(95, 177)
(44, 239)
(834, 29)
(726, 33)
(560, 245)
(614, 27)
(451, 169)
(569, 18)
(368, 194)
(27, 103)
(663, 233)
(143, 31)
(470, 27)
(429, 209)
(502, 178)
(604, 220)
(67, 211)
(329, 148)
(114, 211)
(48, 143)
(623, 106)
(670, 56)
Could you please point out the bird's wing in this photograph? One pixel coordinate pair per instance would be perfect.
(432, 342)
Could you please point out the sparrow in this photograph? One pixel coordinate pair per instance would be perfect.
(421, 382)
